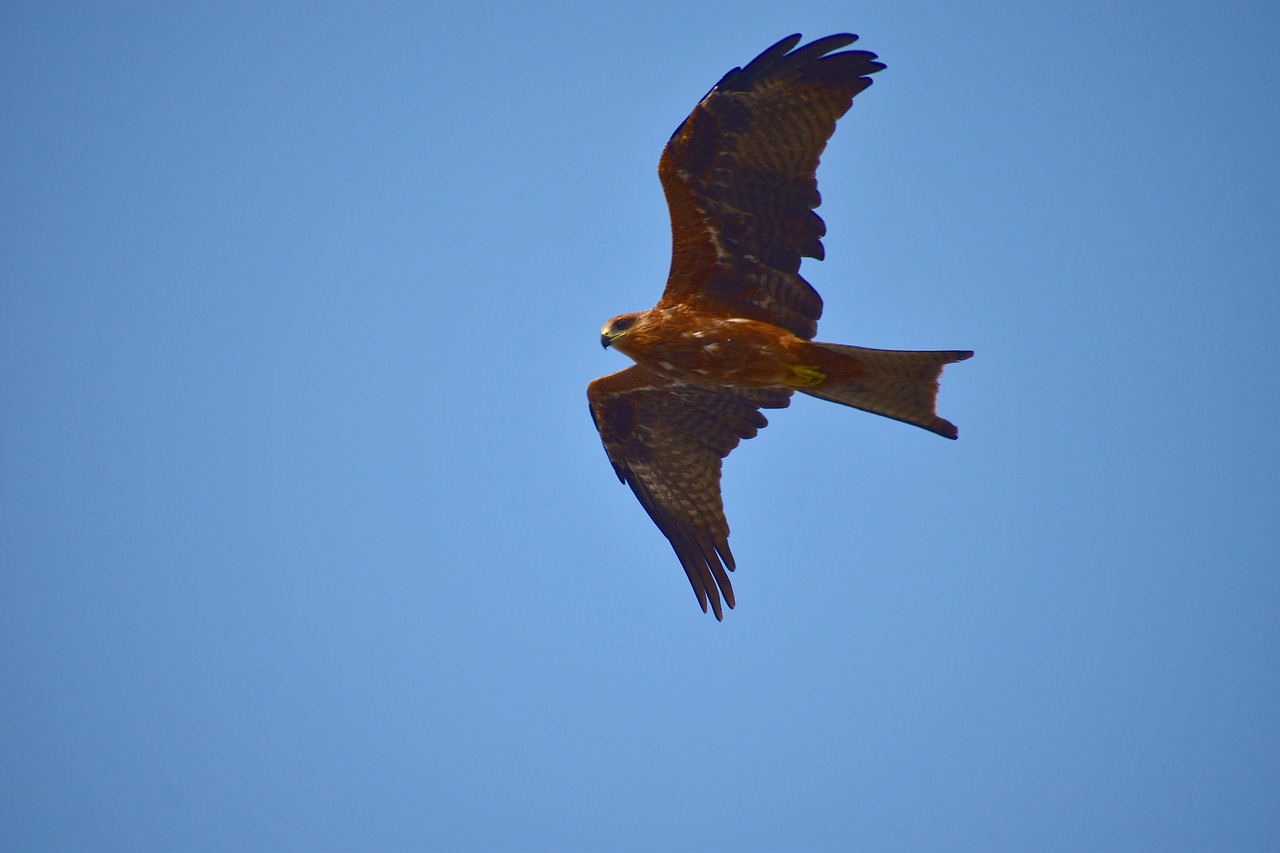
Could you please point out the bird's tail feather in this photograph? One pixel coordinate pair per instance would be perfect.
(897, 384)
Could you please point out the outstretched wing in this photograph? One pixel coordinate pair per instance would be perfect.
(665, 440)
(739, 176)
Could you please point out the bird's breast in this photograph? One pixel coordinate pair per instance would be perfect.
(715, 351)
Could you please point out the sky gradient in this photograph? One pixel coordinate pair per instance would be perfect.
(309, 543)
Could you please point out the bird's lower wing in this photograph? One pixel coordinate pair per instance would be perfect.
(666, 440)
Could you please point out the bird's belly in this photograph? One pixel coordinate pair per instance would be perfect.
(729, 354)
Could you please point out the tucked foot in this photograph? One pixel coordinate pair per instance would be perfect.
(804, 376)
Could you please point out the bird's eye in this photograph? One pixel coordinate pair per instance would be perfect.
(623, 323)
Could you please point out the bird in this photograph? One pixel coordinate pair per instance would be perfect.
(733, 331)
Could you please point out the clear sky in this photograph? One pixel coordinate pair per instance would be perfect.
(308, 541)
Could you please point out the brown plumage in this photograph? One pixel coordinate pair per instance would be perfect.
(732, 333)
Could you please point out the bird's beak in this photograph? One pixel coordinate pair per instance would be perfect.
(605, 340)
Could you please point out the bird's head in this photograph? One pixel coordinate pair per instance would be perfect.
(616, 328)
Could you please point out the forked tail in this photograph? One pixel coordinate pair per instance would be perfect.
(897, 384)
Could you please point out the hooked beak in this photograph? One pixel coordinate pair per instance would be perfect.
(605, 340)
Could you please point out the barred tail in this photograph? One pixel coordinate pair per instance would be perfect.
(897, 384)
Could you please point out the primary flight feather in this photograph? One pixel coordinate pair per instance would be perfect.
(733, 331)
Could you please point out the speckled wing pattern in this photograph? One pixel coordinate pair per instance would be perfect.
(666, 440)
(740, 180)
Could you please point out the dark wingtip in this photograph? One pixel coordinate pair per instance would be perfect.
(771, 54)
(788, 54)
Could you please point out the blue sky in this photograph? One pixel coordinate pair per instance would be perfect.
(309, 543)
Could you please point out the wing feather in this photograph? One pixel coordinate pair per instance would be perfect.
(666, 441)
(740, 180)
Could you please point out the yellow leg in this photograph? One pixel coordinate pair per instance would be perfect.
(804, 376)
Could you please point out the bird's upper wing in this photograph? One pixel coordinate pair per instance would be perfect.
(739, 176)
(665, 440)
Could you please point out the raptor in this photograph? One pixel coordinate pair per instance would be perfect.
(733, 332)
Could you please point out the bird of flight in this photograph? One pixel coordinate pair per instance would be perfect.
(733, 331)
